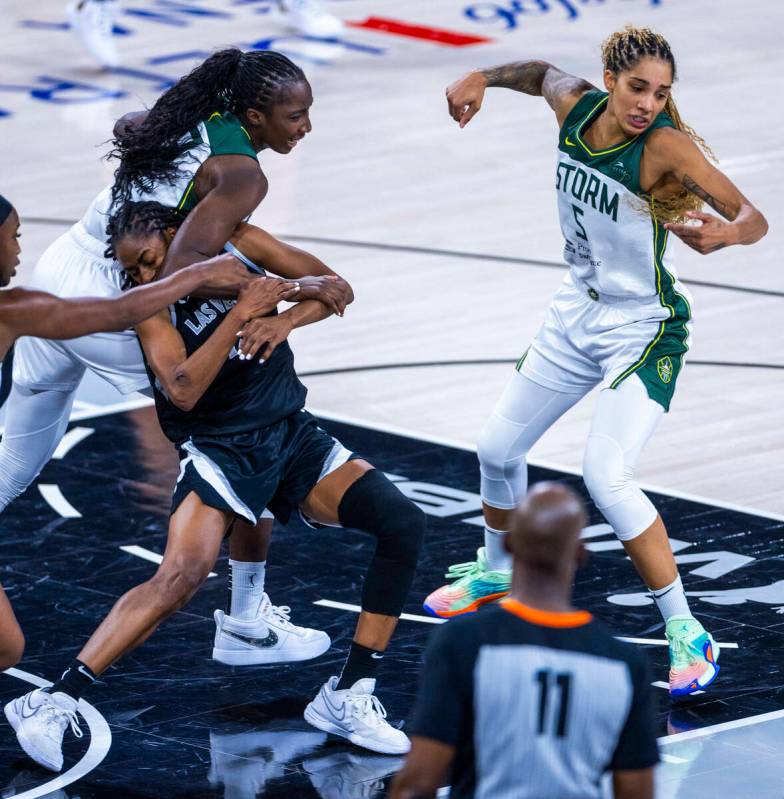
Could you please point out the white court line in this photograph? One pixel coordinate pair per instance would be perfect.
(148, 554)
(449, 442)
(70, 440)
(100, 743)
(54, 497)
(328, 603)
(749, 721)
(666, 686)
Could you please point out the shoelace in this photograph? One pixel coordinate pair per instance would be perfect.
(459, 570)
(682, 653)
(62, 717)
(282, 614)
(368, 707)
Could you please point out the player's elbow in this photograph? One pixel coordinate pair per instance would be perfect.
(181, 391)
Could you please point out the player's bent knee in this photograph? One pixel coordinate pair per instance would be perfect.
(605, 472)
(375, 505)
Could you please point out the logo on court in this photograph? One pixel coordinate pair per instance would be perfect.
(664, 368)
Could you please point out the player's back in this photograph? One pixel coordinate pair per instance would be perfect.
(553, 701)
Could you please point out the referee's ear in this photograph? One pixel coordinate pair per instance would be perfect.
(582, 555)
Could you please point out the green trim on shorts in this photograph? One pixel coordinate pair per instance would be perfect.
(662, 360)
(519, 364)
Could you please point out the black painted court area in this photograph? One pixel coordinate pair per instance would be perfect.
(183, 725)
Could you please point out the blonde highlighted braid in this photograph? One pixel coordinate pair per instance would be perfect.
(622, 51)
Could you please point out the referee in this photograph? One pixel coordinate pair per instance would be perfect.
(530, 698)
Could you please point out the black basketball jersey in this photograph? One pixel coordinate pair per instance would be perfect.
(538, 705)
(244, 396)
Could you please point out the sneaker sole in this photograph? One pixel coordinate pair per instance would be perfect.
(315, 719)
(472, 608)
(261, 657)
(689, 690)
(25, 743)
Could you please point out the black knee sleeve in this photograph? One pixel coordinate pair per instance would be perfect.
(374, 505)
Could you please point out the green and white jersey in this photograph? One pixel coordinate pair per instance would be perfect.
(221, 134)
(612, 245)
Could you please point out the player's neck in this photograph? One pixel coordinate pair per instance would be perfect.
(550, 592)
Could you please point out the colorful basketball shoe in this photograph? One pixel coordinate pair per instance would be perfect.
(693, 656)
(474, 586)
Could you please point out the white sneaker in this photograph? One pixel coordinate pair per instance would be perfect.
(355, 714)
(308, 17)
(93, 23)
(269, 638)
(39, 720)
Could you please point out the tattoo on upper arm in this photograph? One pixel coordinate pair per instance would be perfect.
(694, 187)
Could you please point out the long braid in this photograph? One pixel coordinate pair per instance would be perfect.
(228, 80)
(622, 51)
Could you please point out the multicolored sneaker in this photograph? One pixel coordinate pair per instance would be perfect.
(693, 656)
(474, 585)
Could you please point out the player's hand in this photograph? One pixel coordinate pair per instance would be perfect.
(261, 336)
(224, 273)
(262, 295)
(331, 290)
(465, 97)
(711, 235)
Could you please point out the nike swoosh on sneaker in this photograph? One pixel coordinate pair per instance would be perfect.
(335, 708)
(27, 703)
(264, 643)
(376, 655)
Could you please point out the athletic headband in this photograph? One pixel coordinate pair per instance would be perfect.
(5, 209)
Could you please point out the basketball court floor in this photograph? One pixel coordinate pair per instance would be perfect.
(450, 240)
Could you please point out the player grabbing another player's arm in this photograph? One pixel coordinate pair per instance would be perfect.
(35, 313)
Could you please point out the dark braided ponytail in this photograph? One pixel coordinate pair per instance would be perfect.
(228, 80)
(140, 219)
(623, 50)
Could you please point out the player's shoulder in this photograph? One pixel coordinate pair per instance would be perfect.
(667, 142)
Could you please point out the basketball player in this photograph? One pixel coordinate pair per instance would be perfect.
(34, 313)
(531, 698)
(196, 150)
(630, 173)
(93, 23)
(246, 443)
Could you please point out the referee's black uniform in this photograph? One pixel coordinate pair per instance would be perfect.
(538, 705)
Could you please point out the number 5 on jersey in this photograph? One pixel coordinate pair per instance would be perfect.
(578, 212)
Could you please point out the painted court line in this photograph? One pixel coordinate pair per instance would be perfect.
(55, 499)
(73, 437)
(749, 721)
(148, 554)
(328, 603)
(100, 743)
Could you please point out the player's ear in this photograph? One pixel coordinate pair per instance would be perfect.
(609, 80)
(169, 234)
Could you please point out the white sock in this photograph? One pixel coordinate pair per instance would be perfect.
(671, 600)
(246, 586)
(498, 558)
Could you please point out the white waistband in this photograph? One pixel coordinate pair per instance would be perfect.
(611, 299)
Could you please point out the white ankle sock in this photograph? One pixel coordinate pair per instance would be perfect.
(246, 584)
(498, 558)
(671, 600)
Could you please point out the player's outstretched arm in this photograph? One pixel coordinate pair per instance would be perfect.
(537, 78)
(425, 770)
(673, 154)
(317, 281)
(185, 377)
(36, 313)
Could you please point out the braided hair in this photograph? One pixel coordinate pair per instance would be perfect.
(229, 80)
(140, 219)
(623, 50)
